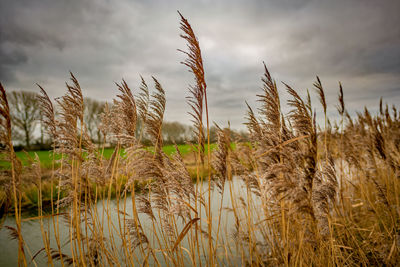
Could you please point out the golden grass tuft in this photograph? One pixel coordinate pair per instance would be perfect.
(295, 195)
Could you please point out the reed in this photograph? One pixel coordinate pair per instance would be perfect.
(294, 195)
(13, 188)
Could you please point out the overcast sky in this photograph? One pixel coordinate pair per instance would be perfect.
(102, 41)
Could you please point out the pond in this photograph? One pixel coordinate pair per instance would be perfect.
(32, 234)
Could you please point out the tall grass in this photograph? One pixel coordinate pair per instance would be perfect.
(310, 197)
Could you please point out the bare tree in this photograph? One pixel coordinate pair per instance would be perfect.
(175, 132)
(25, 111)
(92, 118)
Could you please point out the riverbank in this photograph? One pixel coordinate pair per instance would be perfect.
(48, 184)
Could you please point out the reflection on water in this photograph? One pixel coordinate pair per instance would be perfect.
(32, 234)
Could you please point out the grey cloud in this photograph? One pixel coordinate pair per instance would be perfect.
(18, 35)
(9, 59)
(356, 42)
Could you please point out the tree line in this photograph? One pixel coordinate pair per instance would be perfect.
(29, 132)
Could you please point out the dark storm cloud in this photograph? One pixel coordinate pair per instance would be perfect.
(10, 59)
(356, 42)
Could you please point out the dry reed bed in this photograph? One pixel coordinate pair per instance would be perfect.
(313, 197)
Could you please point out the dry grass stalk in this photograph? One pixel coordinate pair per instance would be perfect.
(16, 168)
(155, 119)
(287, 213)
(195, 63)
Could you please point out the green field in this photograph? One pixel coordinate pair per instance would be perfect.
(46, 157)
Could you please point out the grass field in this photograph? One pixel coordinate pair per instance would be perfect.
(46, 157)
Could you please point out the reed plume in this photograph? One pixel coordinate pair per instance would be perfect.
(49, 117)
(303, 121)
(155, 118)
(128, 112)
(221, 158)
(321, 94)
(6, 150)
(279, 191)
(194, 62)
(13, 189)
(143, 102)
(341, 107)
(71, 117)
